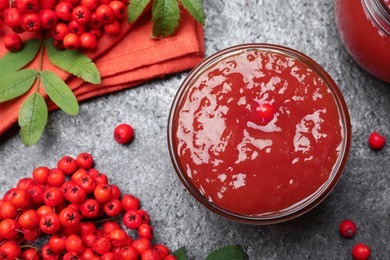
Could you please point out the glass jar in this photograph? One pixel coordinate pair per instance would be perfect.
(364, 28)
(259, 133)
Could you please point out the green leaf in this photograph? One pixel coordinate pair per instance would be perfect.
(227, 253)
(180, 254)
(16, 84)
(59, 93)
(165, 17)
(32, 118)
(135, 9)
(13, 61)
(194, 7)
(73, 62)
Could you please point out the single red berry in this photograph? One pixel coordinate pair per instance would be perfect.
(87, 227)
(44, 209)
(90, 4)
(57, 242)
(36, 193)
(87, 183)
(164, 250)
(84, 160)
(144, 216)
(30, 254)
(40, 175)
(74, 243)
(59, 31)
(112, 28)
(118, 237)
(123, 133)
(119, 9)
(75, 194)
(8, 210)
(12, 42)
(67, 165)
(25, 183)
(48, 253)
(20, 198)
(129, 252)
(31, 22)
(95, 22)
(81, 14)
(376, 141)
(109, 226)
(64, 11)
(8, 228)
(77, 28)
(129, 202)
(31, 235)
(265, 112)
(71, 41)
(132, 219)
(170, 257)
(49, 223)
(69, 217)
(76, 177)
(116, 192)
(100, 178)
(105, 14)
(27, 6)
(53, 196)
(141, 245)
(145, 231)
(101, 245)
(47, 4)
(361, 252)
(10, 250)
(112, 208)
(49, 18)
(347, 228)
(29, 219)
(12, 17)
(55, 178)
(70, 230)
(59, 45)
(152, 254)
(71, 255)
(102, 192)
(89, 208)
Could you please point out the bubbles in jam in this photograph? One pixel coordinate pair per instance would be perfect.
(258, 133)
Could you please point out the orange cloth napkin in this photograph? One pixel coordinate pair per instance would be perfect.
(125, 61)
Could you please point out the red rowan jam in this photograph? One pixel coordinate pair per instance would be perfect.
(258, 132)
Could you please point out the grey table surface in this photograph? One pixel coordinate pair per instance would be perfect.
(144, 169)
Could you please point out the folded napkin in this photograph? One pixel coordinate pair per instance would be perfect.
(124, 61)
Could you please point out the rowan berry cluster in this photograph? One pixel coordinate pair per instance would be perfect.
(72, 24)
(75, 207)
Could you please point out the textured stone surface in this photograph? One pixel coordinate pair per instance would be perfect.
(144, 168)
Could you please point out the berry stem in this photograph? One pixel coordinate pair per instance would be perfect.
(29, 246)
(108, 219)
(41, 50)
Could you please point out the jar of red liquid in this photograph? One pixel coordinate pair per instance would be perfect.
(364, 28)
(259, 133)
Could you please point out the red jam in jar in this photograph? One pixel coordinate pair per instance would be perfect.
(364, 28)
(259, 133)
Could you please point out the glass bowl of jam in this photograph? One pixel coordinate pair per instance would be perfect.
(259, 133)
(364, 28)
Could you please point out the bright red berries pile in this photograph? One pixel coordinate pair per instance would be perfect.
(72, 23)
(75, 205)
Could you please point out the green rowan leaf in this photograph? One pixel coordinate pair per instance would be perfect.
(227, 253)
(59, 92)
(135, 9)
(180, 254)
(165, 17)
(73, 62)
(13, 61)
(194, 7)
(32, 118)
(16, 84)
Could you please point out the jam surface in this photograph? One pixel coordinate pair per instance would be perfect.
(244, 162)
(367, 43)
